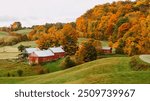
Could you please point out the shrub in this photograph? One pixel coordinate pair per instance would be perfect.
(67, 63)
(20, 72)
(8, 74)
(13, 75)
(21, 48)
(46, 70)
(40, 70)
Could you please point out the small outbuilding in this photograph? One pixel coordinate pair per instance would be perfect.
(58, 51)
(38, 57)
(107, 50)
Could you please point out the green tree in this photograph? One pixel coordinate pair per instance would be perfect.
(21, 48)
(67, 63)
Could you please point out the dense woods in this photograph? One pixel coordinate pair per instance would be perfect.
(125, 24)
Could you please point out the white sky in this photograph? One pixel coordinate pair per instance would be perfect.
(31, 12)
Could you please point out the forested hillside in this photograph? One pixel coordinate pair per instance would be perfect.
(125, 24)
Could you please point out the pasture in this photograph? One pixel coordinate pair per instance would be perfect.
(3, 34)
(11, 66)
(115, 70)
(23, 31)
(11, 52)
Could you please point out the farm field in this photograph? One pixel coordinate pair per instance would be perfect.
(115, 70)
(3, 34)
(12, 66)
(26, 43)
(11, 52)
(23, 31)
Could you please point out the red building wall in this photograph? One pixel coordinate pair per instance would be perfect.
(107, 51)
(34, 59)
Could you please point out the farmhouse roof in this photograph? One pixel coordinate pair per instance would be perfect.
(31, 50)
(44, 53)
(106, 48)
(57, 49)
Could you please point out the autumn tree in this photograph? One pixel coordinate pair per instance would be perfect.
(16, 26)
(69, 39)
(87, 51)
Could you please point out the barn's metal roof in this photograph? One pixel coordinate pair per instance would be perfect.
(106, 48)
(31, 50)
(57, 49)
(44, 53)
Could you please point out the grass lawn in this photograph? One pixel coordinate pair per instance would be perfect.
(23, 31)
(54, 66)
(26, 43)
(3, 34)
(8, 55)
(9, 52)
(114, 70)
(11, 67)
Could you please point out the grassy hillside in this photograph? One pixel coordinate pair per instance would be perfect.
(2, 34)
(26, 43)
(12, 66)
(9, 52)
(23, 31)
(107, 70)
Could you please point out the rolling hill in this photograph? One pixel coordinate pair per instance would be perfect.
(112, 70)
(23, 31)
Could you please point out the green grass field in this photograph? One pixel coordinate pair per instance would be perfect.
(11, 52)
(23, 31)
(26, 43)
(115, 70)
(54, 66)
(3, 34)
(11, 67)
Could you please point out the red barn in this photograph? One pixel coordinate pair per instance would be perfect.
(58, 51)
(107, 50)
(41, 56)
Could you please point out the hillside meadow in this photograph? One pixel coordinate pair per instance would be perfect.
(3, 34)
(23, 31)
(115, 70)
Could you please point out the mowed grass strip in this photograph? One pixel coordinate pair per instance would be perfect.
(115, 70)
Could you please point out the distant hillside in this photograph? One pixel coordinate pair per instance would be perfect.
(107, 70)
(125, 24)
(23, 31)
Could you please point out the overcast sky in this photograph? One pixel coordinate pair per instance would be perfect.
(31, 12)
